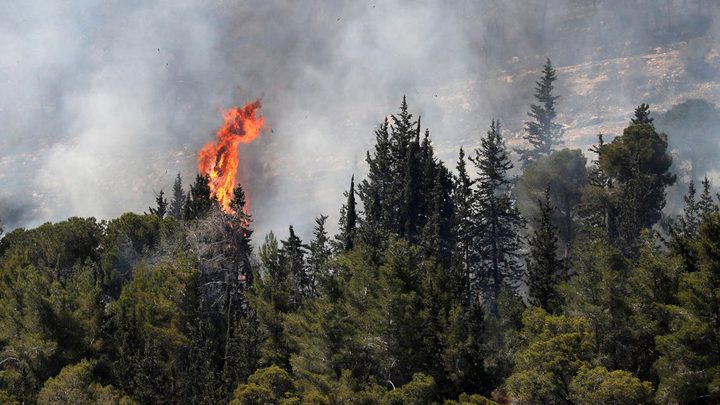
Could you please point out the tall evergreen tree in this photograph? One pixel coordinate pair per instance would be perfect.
(388, 196)
(496, 217)
(175, 209)
(199, 200)
(202, 375)
(543, 266)
(705, 204)
(410, 212)
(437, 233)
(463, 221)
(639, 164)
(542, 132)
(319, 252)
(642, 115)
(272, 299)
(693, 342)
(345, 240)
(292, 257)
(161, 205)
(374, 190)
(598, 206)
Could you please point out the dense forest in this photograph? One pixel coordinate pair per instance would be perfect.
(552, 278)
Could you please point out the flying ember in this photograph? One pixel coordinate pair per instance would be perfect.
(219, 160)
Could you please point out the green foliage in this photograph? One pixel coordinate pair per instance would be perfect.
(474, 399)
(272, 300)
(543, 267)
(46, 321)
(420, 299)
(267, 386)
(639, 163)
(694, 338)
(420, 390)
(599, 293)
(57, 246)
(556, 349)
(74, 385)
(598, 386)
(542, 132)
(653, 286)
(198, 200)
(563, 175)
(348, 220)
(497, 220)
(175, 209)
(161, 205)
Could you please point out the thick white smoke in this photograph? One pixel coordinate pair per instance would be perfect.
(102, 103)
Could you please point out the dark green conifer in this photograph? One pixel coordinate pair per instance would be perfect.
(496, 217)
(543, 266)
(542, 132)
(177, 203)
(161, 205)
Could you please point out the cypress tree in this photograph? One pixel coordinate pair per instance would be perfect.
(161, 205)
(409, 225)
(642, 115)
(542, 132)
(198, 201)
(175, 209)
(374, 189)
(345, 241)
(319, 250)
(292, 256)
(705, 204)
(496, 216)
(202, 375)
(639, 164)
(398, 198)
(463, 225)
(543, 266)
(272, 298)
(437, 237)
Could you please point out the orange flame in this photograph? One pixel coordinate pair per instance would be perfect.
(219, 160)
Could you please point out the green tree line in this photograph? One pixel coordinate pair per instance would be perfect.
(559, 282)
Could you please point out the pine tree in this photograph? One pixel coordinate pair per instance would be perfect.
(542, 132)
(241, 222)
(272, 299)
(199, 200)
(410, 213)
(639, 164)
(292, 257)
(463, 226)
(437, 234)
(466, 351)
(320, 252)
(496, 217)
(543, 266)
(202, 376)
(178, 199)
(642, 115)
(242, 349)
(375, 188)
(705, 204)
(693, 342)
(598, 206)
(162, 205)
(389, 199)
(345, 241)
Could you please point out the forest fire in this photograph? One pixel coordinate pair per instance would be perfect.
(219, 160)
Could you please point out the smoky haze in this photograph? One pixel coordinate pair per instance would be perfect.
(102, 103)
